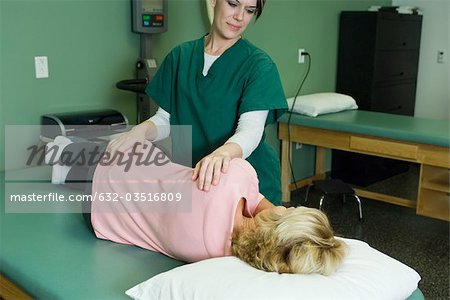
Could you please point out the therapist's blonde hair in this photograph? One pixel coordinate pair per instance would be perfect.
(296, 240)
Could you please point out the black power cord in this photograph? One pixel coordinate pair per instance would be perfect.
(290, 115)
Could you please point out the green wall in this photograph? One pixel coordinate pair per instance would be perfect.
(90, 46)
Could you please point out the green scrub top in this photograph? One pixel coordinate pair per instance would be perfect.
(242, 79)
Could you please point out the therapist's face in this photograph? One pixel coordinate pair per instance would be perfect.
(231, 17)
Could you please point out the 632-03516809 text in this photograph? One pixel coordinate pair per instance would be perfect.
(137, 197)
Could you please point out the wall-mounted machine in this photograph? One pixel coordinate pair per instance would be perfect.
(148, 17)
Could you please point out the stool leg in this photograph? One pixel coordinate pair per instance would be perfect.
(320, 203)
(360, 208)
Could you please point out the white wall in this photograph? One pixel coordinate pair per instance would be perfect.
(433, 83)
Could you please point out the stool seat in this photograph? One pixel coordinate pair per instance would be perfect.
(331, 187)
(334, 187)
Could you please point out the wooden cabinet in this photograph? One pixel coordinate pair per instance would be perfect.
(379, 51)
(378, 58)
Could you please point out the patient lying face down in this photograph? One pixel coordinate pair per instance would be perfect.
(233, 218)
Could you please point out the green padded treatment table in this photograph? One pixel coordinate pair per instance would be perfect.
(422, 141)
(55, 256)
(398, 127)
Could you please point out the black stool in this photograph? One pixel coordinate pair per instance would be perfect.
(334, 187)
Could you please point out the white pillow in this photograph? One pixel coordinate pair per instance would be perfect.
(322, 103)
(365, 274)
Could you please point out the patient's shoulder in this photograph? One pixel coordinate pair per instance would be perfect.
(241, 165)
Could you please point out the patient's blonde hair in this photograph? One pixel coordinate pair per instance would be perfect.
(296, 240)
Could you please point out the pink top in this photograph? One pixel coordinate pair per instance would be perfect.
(196, 227)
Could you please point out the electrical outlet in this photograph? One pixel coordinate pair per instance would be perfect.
(301, 56)
(41, 66)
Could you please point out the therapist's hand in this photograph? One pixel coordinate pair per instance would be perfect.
(136, 137)
(209, 169)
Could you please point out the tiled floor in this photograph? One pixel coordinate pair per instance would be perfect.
(420, 242)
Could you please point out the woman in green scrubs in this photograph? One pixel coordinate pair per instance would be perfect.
(241, 79)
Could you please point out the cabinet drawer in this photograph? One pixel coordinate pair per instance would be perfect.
(398, 34)
(387, 148)
(396, 65)
(396, 98)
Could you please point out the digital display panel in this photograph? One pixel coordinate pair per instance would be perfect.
(152, 6)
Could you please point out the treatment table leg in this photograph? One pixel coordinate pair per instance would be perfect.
(320, 162)
(285, 171)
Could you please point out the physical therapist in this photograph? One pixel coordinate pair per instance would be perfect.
(228, 90)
